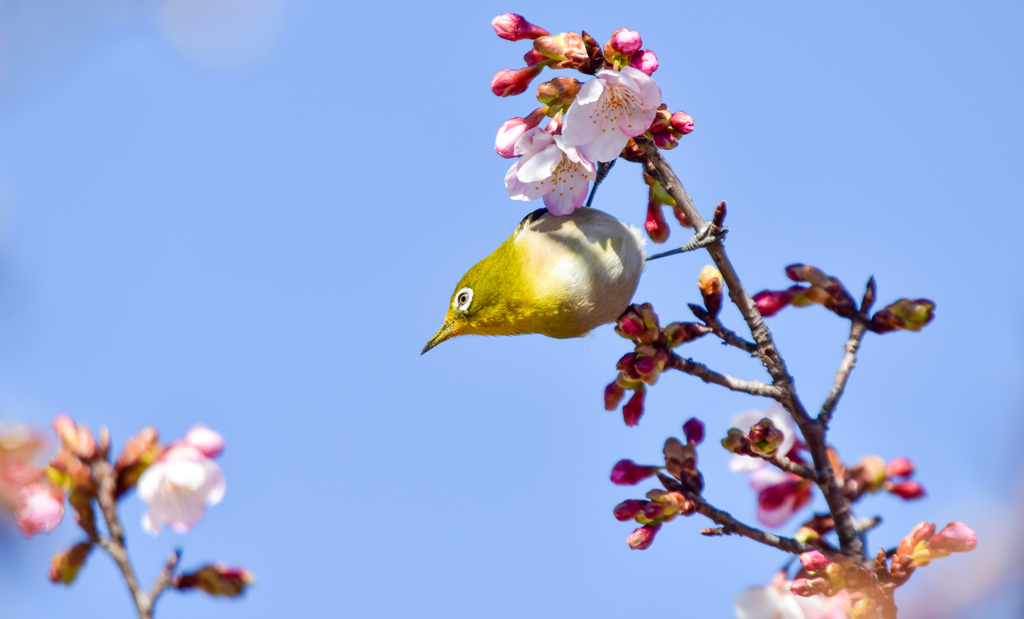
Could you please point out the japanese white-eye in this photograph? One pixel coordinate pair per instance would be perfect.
(557, 276)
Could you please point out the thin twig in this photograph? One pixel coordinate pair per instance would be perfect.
(165, 579)
(602, 172)
(114, 544)
(731, 525)
(857, 330)
(701, 371)
(730, 337)
(789, 466)
(814, 434)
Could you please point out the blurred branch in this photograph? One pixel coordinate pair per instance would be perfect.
(789, 466)
(731, 526)
(813, 431)
(857, 330)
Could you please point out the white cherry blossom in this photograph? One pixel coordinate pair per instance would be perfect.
(610, 109)
(551, 170)
(776, 601)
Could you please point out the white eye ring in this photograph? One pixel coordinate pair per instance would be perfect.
(462, 299)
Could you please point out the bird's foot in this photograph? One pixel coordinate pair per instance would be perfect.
(707, 235)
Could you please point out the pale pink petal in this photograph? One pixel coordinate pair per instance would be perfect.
(576, 157)
(185, 514)
(757, 603)
(186, 475)
(538, 166)
(151, 522)
(149, 482)
(606, 146)
(210, 443)
(565, 202)
(533, 141)
(590, 92)
(215, 485)
(745, 464)
(518, 190)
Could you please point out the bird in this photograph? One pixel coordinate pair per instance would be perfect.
(557, 276)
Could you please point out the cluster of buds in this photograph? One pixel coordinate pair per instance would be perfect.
(661, 506)
(668, 127)
(924, 545)
(763, 439)
(830, 576)
(904, 314)
(873, 474)
(651, 355)
(656, 225)
(623, 50)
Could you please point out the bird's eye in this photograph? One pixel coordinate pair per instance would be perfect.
(463, 298)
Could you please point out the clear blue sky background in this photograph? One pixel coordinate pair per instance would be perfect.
(265, 249)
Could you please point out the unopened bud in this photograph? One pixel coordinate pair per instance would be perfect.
(765, 437)
(645, 61)
(629, 473)
(613, 394)
(806, 587)
(662, 120)
(630, 325)
(642, 538)
(560, 91)
(627, 510)
(567, 46)
(139, 452)
(534, 58)
(682, 122)
(680, 460)
(769, 302)
(76, 439)
(625, 42)
(665, 140)
(84, 515)
(710, 284)
(899, 467)
(656, 226)
(906, 314)
(508, 133)
(512, 27)
(814, 561)
(634, 409)
(679, 333)
(509, 82)
(217, 580)
(870, 473)
(907, 490)
(954, 537)
(694, 431)
(65, 565)
(736, 441)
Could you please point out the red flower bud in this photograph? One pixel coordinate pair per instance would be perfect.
(625, 42)
(806, 587)
(642, 538)
(769, 302)
(217, 580)
(509, 82)
(814, 561)
(627, 510)
(634, 409)
(646, 365)
(645, 61)
(682, 122)
(665, 140)
(629, 473)
(512, 27)
(682, 332)
(662, 120)
(694, 431)
(656, 226)
(899, 467)
(907, 490)
(613, 394)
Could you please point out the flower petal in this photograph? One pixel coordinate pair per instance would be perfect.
(606, 146)
(188, 475)
(518, 190)
(590, 91)
(757, 603)
(539, 166)
(149, 481)
(779, 515)
(215, 486)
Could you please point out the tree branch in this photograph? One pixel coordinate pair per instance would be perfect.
(701, 371)
(165, 579)
(789, 466)
(732, 526)
(813, 432)
(857, 330)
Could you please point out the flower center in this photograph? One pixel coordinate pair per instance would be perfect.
(620, 101)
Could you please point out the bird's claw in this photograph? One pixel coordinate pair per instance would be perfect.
(704, 237)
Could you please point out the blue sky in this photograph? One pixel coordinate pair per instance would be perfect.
(265, 247)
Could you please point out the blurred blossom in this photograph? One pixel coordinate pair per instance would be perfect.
(40, 508)
(744, 421)
(181, 483)
(776, 601)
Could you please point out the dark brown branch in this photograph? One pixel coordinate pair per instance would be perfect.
(789, 466)
(730, 525)
(731, 338)
(114, 544)
(857, 331)
(701, 371)
(813, 432)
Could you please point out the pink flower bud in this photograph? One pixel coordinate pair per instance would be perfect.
(662, 121)
(613, 394)
(711, 284)
(646, 365)
(642, 538)
(217, 580)
(899, 467)
(508, 134)
(512, 27)
(954, 537)
(634, 408)
(769, 302)
(665, 140)
(814, 561)
(907, 490)
(626, 42)
(629, 473)
(682, 122)
(40, 508)
(806, 587)
(508, 82)
(76, 439)
(694, 431)
(567, 46)
(627, 510)
(736, 441)
(682, 332)
(656, 226)
(534, 58)
(644, 61)
(208, 442)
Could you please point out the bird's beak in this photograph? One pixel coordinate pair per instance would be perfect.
(443, 334)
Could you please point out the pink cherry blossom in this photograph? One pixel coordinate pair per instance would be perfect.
(178, 487)
(551, 170)
(40, 508)
(610, 109)
(744, 421)
(776, 601)
(779, 494)
(204, 439)
(508, 134)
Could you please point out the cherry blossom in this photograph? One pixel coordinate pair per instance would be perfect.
(610, 109)
(776, 601)
(779, 494)
(549, 169)
(40, 509)
(182, 482)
